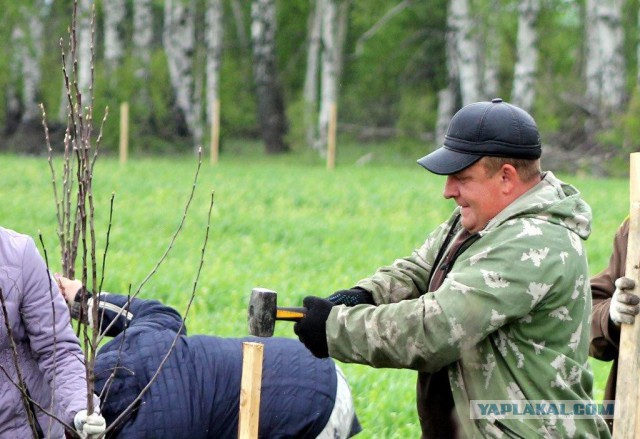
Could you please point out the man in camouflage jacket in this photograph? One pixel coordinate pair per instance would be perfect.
(495, 304)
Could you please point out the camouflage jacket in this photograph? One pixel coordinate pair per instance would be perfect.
(509, 322)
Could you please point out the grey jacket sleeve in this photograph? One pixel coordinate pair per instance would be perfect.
(52, 339)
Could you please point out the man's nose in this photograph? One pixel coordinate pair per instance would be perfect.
(450, 188)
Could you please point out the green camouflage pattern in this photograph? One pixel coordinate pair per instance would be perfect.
(510, 321)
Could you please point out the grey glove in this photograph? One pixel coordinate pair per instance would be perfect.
(624, 305)
(89, 426)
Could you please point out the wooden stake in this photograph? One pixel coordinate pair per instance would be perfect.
(215, 131)
(626, 423)
(331, 136)
(250, 390)
(124, 131)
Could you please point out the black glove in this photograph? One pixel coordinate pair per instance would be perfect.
(312, 328)
(352, 297)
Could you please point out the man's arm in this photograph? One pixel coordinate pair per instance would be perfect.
(117, 312)
(407, 278)
(605, 335)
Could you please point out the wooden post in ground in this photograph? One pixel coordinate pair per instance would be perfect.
(250, 386)
(331, 136)
(215, 131)
(626, 423)
(124, 131)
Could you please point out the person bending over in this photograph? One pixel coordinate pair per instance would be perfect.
(197, 391)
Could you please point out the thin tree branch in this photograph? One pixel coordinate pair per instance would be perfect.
(126, 412)
(380, 24)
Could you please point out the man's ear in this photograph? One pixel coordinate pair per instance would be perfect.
(509, 177)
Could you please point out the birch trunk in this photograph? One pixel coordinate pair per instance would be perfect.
(271, 113)
(85, 46)
(491, 49)
(333, 33)
(142, 40)
(179, 45)
(448, 97)
(31, 59)
(310, 92)
(27, 48)
(605, 64)
(462, 25)
(213, 38)
(13, 107)
(329, 71)
(114, 13)
(523, 93)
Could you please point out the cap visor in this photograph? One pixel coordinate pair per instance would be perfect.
(444, 161)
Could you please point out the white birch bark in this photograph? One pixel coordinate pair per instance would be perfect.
(329, 66)
(28, 49)
(463, 27)
(142, 46)
(310, 91)
(85, 47)
(605, 64)
(31, 71)
(447, 97)
(142, 36)
(524, 93)
(179, 45)
(114, 13)
(213, 39)
(335, 18)
(13, 107)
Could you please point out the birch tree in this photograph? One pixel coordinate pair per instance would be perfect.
(523, 94)
(463, 27)
(328, 24)
(114, 13)
(329, 66)
(213, 39)
(142, 41)
(25, 70)
(605, 63)
(179, 45)
(85, 43)
(271, 111)
(311, 87)
(13, 106)
(449, 96)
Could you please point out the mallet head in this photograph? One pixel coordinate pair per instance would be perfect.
(262, 312)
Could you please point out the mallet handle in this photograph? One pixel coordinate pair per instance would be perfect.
(290, 314)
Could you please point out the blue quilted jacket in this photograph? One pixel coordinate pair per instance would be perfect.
(197, 392)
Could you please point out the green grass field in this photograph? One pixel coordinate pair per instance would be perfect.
(284, 223)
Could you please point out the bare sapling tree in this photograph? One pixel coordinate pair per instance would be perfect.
(74, 199)
(75, 212)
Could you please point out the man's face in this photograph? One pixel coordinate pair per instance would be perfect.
(479, 195)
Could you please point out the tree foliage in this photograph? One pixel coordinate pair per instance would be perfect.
(394, 65)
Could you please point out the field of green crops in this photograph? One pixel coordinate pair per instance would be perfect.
(284, 223)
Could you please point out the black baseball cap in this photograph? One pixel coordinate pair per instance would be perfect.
(495, 128)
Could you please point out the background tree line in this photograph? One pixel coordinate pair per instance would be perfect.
(394, 68)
